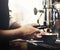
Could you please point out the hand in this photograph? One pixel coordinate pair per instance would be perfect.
(29, 29)
(39, 35)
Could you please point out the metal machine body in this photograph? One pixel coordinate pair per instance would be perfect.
(50, 12)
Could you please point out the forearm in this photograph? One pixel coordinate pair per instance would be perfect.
(15, 33)
(9, 32)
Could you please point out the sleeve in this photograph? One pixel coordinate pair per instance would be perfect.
(13, 22)
(12, 19)
(15, 19)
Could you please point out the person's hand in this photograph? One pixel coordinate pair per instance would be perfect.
(39, 35)
(29, 30)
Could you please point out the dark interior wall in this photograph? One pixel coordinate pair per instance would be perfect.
(58, 0)
(4, 14)
(53, 1)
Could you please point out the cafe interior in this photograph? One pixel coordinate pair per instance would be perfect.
(44, 12)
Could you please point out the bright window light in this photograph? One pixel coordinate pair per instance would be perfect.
(23, 10)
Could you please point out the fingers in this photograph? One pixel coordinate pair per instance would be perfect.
(37, 35)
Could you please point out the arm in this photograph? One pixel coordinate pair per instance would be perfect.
(10, 34)
(19, 32)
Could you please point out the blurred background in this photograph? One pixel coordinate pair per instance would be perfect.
(25, 9)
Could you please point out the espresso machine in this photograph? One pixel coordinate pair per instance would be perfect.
(51, 15)
(51, 18)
